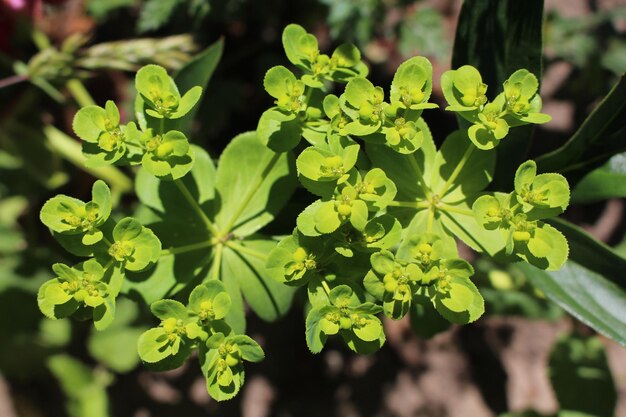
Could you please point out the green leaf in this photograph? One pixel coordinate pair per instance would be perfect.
(499, 38)
(155, 14)
(298, 43)
(608, 181)
(462, 304)
(153, 345)
(135, 245)
(278, 131)
(268, 298)
(463, 225)
(197, 72)
(579, 370)
(165, 309)
(425, 320)
(474, 175)
(592, 254)
(315, 336)
(250, 349)
(586, 295)
(253, 184)
(597, 139)
(89, 122)
(84, 388)
(111, 346)
(176, 223)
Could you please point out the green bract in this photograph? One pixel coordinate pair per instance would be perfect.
(67, 215)
(302, 50)
(517, 105)
(518, 216)
(161, 95)
(464, 89)
(412, 84)
(345, 315)
(167, 156)
(106, 141)
(83, 287)
(134, 246)
(223, 363)
(522, 99)
(296, 259)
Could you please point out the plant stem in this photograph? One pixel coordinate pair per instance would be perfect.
(457, 170)
(195, 206)
(107, 241)
(186, 248)
(326, 287)
(452, 209)
(14, 79)
(70, 150)
(79, 92)
(409, 204)
(217, 262)
(251, 191)
(240, 248)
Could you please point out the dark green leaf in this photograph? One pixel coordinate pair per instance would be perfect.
(600, 137)
(586, 295)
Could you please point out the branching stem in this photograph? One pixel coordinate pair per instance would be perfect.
(248, 251)
(186, 248)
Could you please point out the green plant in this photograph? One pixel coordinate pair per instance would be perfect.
(380, 238)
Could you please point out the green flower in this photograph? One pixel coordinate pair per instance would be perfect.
(160, 94)
(356, 322)
(208, 304)
(412, 84)
(464, 89)
(167, 156)
(490, 127)
(302, 50)
(134, 246)
(382, 232)
(67, 215)
(76, 288)
(296, 259)
(328, 164)
(222, 365)
(365, 105)
(541, 196)
(168, 341)
(106, 141)
(523, 104)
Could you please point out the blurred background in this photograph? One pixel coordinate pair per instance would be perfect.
(525, 357)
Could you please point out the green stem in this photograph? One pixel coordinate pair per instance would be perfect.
(452, 209)
(195, 206)
(80, 93)
(217, 262)
(251, 191)
(70, 150)
(161, 125)
(409, 204)
(107, 241)
(186, 248)
(457, 170)
(326, 287)
(240, 248)
(108, 265)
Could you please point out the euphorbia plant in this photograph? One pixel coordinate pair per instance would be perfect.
(380, 240)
